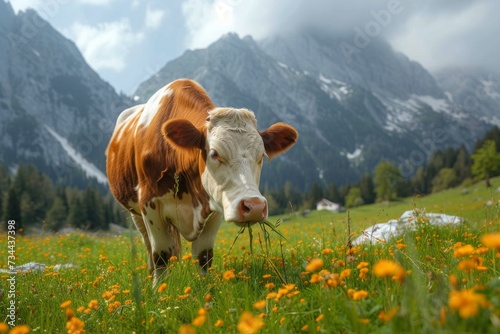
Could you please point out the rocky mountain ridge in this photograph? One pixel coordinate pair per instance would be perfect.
(57, 113)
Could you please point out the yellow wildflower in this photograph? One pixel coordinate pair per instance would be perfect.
(66, 304)
(260, 304)
(327, 251)
(21, 329)
(162, 287)
(314, 265)
(75, 326)
(463, 251)
(270, 285)
(315, 278)
(467, 302)
(345, 273)
(199, 320)
(386, 268)
(358, 295)
(93, 304)
(186, 329)
(3, 327)
(219, 323)
(491, 240)
(249, 324)
(387, 316)
(362, 265)
(228, 275)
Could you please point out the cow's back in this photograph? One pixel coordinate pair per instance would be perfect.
(140, 164)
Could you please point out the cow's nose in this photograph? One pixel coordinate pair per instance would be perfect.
(252, 209)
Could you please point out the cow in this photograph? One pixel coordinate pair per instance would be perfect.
(180, 166)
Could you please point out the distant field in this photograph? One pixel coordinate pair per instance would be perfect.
(434, 280)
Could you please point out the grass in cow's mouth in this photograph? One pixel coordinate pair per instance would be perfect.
(267, 239)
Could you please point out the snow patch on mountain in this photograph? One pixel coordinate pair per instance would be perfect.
(434, 103)
(335, 89)
(489, 89)
(357, 153)
(89, 168)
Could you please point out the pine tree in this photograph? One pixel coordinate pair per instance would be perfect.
(332, 193)
(12, 209)
(57, 215)
(462, 164)
(315, 194)
(77, 216)
(367, 189)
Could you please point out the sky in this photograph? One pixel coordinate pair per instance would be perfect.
(127, 41)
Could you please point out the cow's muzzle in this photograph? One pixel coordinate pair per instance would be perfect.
(252, 210)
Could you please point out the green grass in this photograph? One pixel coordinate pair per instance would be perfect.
(112, 271)
(470, 204)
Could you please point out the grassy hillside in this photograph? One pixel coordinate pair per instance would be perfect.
(468, 202)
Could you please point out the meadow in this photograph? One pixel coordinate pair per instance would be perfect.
(297, 274)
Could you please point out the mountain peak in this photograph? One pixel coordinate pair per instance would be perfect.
(373, 65)
(7, 14)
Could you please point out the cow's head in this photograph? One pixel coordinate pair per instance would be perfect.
(232, 153)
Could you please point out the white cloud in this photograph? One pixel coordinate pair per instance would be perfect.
(208, 20)
(24, 4)
(436, 33)
(439, 41)
(106, 45)
(154, 17)
(95, 2)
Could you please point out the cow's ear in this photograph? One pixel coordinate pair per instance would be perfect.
(182, 134)
(278, 138)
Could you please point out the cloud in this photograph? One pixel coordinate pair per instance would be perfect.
(206, 21)
(24, 4)
(154, 18)
(106, 45)
(95, 2)
(465, 37)
(436, 33)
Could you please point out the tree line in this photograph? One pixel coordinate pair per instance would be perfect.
(29, 197)
(444, 169)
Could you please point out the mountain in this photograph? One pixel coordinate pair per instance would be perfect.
(473, 90)
(351, 109)
(55, 111)
(350, 114)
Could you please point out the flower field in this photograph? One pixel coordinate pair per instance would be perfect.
(300, 276)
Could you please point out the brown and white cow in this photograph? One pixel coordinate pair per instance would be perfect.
(180, 165)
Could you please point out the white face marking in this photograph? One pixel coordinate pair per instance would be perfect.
(152, 106)
(235, 150)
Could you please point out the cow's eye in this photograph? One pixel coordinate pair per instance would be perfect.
(215, 155)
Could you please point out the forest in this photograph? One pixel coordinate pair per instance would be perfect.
(31, 198)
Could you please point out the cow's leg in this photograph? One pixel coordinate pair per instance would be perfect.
(203, 247)
(165, 243)
(139, 224)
